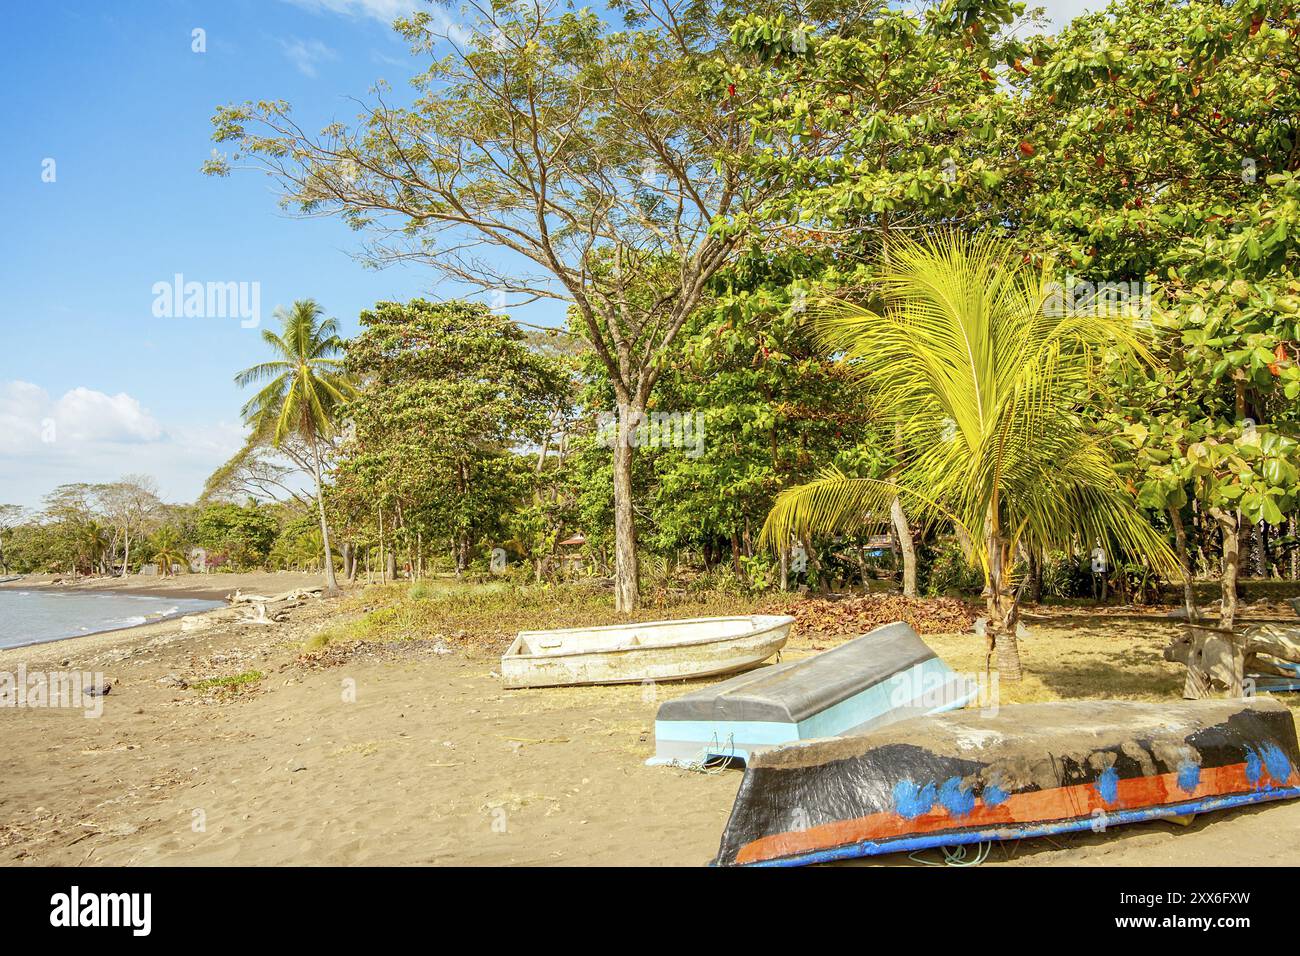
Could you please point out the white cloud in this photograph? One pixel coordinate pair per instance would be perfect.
(29, 418)
(306, 55)
(86, 415)
(384, 10)
(87, 435)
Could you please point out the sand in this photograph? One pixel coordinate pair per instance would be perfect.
(215, 586)
(405, 753)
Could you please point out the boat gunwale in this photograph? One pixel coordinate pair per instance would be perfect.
(779, 621)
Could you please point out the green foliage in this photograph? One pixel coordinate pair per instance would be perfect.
(225, 683)
(305, 383)
(450, 390)
(982, 385)
(167, 550)
(950, 571)
(1066, 577)
(236, 537)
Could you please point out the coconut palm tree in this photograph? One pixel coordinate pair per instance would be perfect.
(990, 385)
(168, 551)
(305, 386)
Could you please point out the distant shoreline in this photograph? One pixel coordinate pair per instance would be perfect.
(149, 620)
(127, 589)
(215, 586)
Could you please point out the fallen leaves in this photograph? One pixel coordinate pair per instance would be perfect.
(939, 615)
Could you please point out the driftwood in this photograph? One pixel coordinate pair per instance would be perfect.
(1274, 640)
(264, 609)
(1219, 659)
(297, 594)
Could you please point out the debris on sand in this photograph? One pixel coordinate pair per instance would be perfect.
(939, 615)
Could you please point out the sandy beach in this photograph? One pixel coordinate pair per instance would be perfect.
(215, 586)
(406, 753)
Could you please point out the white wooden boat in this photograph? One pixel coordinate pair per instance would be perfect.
(648, 651)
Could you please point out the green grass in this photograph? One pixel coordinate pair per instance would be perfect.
(489, 614)
(237, 680)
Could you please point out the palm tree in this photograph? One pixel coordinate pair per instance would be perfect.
(305, 388)
(989, 386)
(90, 543)
(168, 551)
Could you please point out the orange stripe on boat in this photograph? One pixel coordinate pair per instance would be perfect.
(1035, 806)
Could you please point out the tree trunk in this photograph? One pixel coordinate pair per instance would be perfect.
(349, 561)
(1228, 524)
(1180, 544)
(126, 560)
(1295, 552)
(1002, 609)
(1035, 562)
(1211, 654)
(906, 545)
(331, 584)
(627, 593)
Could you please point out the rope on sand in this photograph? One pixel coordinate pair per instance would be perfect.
(712, 760)
(956, 855)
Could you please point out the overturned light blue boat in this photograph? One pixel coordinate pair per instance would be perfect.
(1276, 682)
(886, 675)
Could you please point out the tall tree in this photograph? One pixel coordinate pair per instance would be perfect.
(11, 516)
(129, 503)
(990, 390)
(450, 389)
(1170, 159)
(879, 122)
(602, 164)
(306, 385)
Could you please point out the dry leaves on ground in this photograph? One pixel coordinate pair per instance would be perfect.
(940, 615)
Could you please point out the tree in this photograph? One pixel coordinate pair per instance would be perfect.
(768, 407)
(306, 386)
(11, 516)
(1169, 161)
(241, 534)
(990, 389)
(603, 165)
(450, 389)
(168, 550)
(878, 123)
(129, 503)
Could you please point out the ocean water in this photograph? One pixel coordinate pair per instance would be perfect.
(30, 617)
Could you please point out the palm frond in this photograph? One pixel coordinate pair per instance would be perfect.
(986, 390)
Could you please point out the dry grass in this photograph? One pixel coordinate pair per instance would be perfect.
(1074, 650)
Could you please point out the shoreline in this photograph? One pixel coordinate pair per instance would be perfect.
(219, 587)
(216, 586)
(129, 590)
(218, 605)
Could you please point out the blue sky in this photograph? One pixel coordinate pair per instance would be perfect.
(92, 384)
(115, 95)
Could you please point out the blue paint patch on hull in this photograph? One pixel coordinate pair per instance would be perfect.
(1019, 832)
